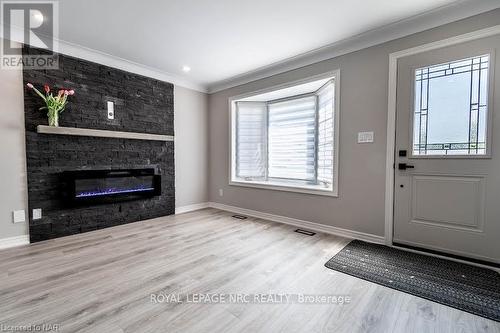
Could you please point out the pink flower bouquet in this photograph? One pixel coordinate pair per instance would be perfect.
(53, 104)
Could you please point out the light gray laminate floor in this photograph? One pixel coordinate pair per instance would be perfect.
(102, 281)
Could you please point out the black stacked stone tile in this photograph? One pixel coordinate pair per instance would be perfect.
(142, 105)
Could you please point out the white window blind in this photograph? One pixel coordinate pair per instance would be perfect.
(286, 141)
(292, 127)
(325, 135)
(251, 125)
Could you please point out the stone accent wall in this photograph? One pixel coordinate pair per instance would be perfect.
(142, 104)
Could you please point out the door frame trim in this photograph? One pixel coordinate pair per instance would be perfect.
(391, 112)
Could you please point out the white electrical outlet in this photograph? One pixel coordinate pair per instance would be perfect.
(365, 137)
(111, 110)
(19, 216)
(37, 214)
(221, 192)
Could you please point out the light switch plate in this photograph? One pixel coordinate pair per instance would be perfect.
(19, 216)
(365, 137)
(111, 110)
(37, 214)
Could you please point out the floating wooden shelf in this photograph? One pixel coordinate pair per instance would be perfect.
(102, 133)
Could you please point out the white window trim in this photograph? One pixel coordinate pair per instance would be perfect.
(335, 74)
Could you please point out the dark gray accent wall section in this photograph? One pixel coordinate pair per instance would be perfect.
(142, 104)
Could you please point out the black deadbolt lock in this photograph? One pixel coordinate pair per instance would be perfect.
(402, 153)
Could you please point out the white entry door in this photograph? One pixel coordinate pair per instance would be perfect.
(447, 177)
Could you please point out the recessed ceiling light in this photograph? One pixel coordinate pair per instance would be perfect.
(37, 17)
(186, 68)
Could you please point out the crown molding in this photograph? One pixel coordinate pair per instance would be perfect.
(418, 23)
(102, 58)
(85, 53)
(428, 20)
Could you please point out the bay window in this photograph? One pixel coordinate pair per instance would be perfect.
(285, 139)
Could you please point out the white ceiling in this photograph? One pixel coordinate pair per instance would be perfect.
(222, 39)
(295, 90)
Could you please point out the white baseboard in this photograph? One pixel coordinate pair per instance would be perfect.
(14, 241)
(190, 208)
(328, 229)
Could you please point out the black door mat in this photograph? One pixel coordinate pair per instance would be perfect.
(464, 287)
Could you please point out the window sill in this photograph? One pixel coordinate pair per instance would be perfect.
(286, 188)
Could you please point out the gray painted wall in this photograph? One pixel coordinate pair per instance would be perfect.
(363, 107)
(360, 205)
(191, 146)
(190, 114)
(14, 193)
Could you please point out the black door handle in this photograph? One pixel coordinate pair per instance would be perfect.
(404, 166)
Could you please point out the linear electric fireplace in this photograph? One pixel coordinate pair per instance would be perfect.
(105, 186)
